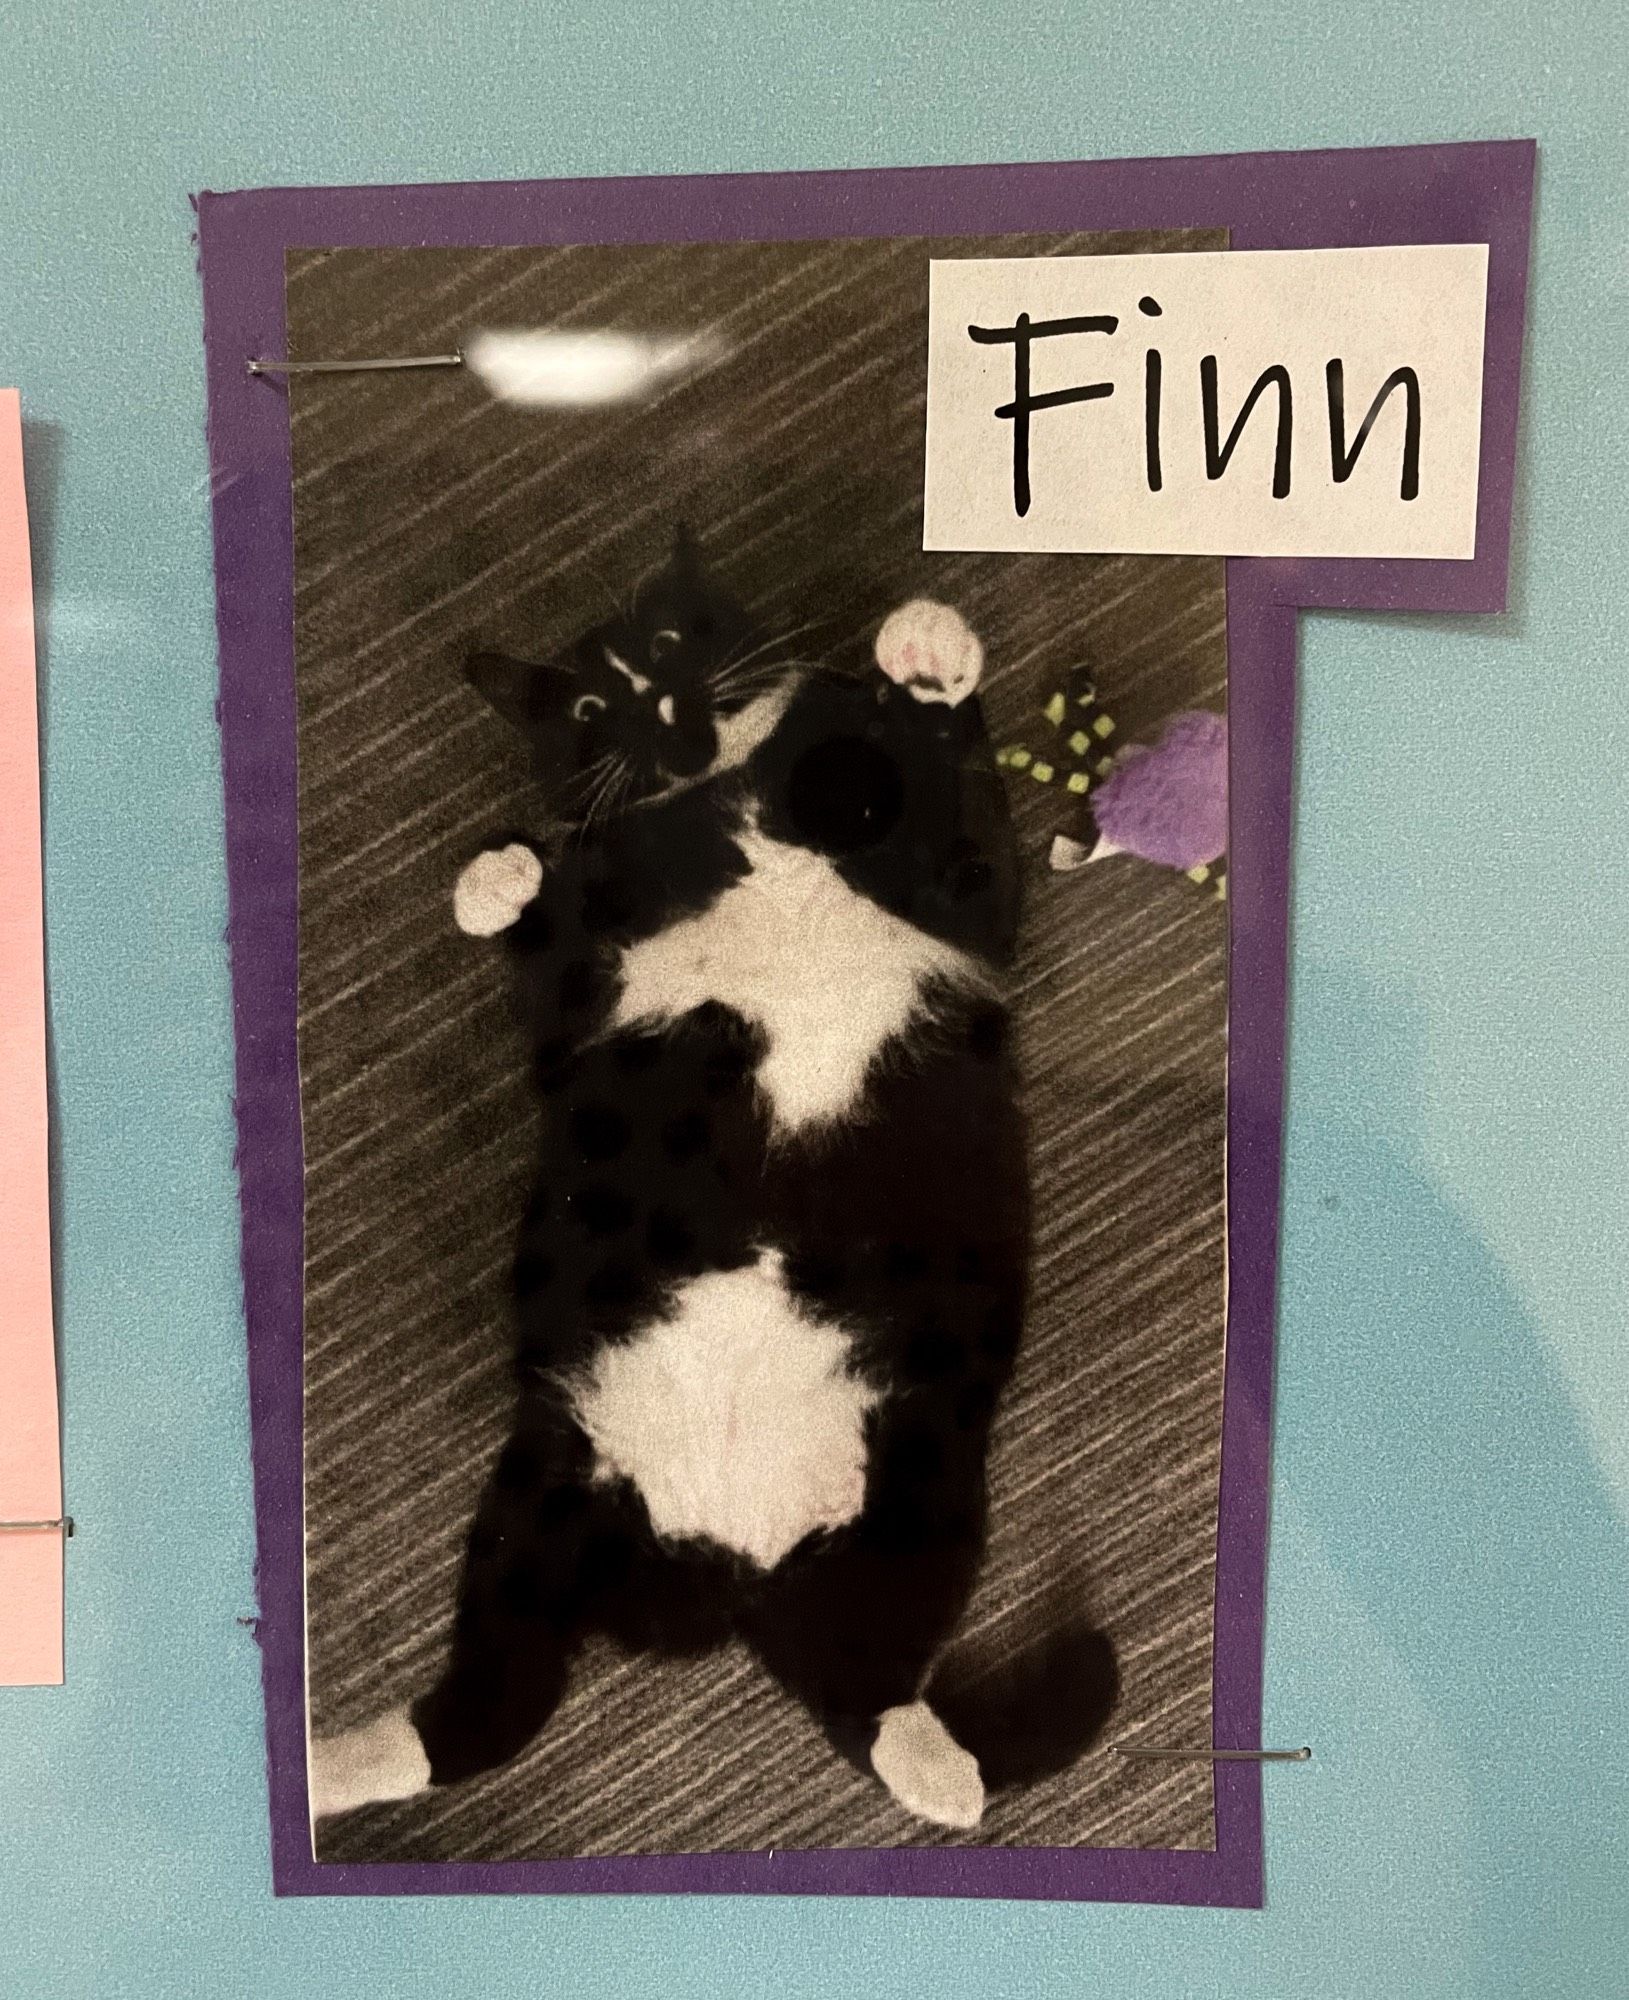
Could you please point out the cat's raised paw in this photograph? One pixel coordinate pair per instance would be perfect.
(491, 892)
(931, 651)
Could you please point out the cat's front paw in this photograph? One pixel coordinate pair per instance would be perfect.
(491, 892)
(931, 651)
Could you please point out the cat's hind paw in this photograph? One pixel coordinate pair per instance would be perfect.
(931, 651)
(383, 1760)
(926, 1769)
(491, 892)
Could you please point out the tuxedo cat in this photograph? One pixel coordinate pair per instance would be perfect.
(771, 1278)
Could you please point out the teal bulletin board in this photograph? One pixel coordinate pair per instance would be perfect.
(1449, 1600)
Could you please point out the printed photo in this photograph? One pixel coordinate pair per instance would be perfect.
(762, 1040)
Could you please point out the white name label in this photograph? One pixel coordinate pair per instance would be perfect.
(1244, 402)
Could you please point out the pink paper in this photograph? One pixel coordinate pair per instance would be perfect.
(30, 1452)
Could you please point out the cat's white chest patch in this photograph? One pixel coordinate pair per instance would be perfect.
(735, 1417)
(828, 975)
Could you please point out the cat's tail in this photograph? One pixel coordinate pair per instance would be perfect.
(1031, 1714)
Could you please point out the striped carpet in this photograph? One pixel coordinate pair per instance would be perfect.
(428, 521)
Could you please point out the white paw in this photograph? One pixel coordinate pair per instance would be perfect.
(493, 890)
(931, 650)
(926, 1769)
(381, 1760)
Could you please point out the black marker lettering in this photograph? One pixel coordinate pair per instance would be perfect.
(1342, 461)
(1152, 384)
(1217, 455)
(1023, 404)
(1151, 419)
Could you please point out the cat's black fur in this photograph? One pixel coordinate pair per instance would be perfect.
(906, 1221)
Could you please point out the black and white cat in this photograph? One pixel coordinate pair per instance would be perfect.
(771, 1279)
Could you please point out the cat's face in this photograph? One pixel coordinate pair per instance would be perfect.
(633, 706)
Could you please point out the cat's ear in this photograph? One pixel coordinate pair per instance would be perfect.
(536, 700)
(505, 683)
(524, 693)
(686, 553)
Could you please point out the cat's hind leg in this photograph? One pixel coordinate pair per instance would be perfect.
(851, 1625)
(527, 1584)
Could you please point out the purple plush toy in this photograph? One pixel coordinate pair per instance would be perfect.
(1166, 802)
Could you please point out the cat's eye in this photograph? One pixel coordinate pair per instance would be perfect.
(664, 642)
(586, 705)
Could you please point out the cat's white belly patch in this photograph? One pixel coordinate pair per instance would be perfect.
(827, 974)
(735, 1417)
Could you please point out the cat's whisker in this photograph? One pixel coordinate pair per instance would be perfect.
(760, 672)
(619, 797)
(753, 663)
(596, 768)
(583, 782)
(600, 793)
(756, 650)
(609, 784)
(625, 783)
(747, 640)
(753, 647)
(614, 785)
(747, 684)
(772, 675)
(824, 668)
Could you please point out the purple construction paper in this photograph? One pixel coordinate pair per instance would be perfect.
(1480, 192)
